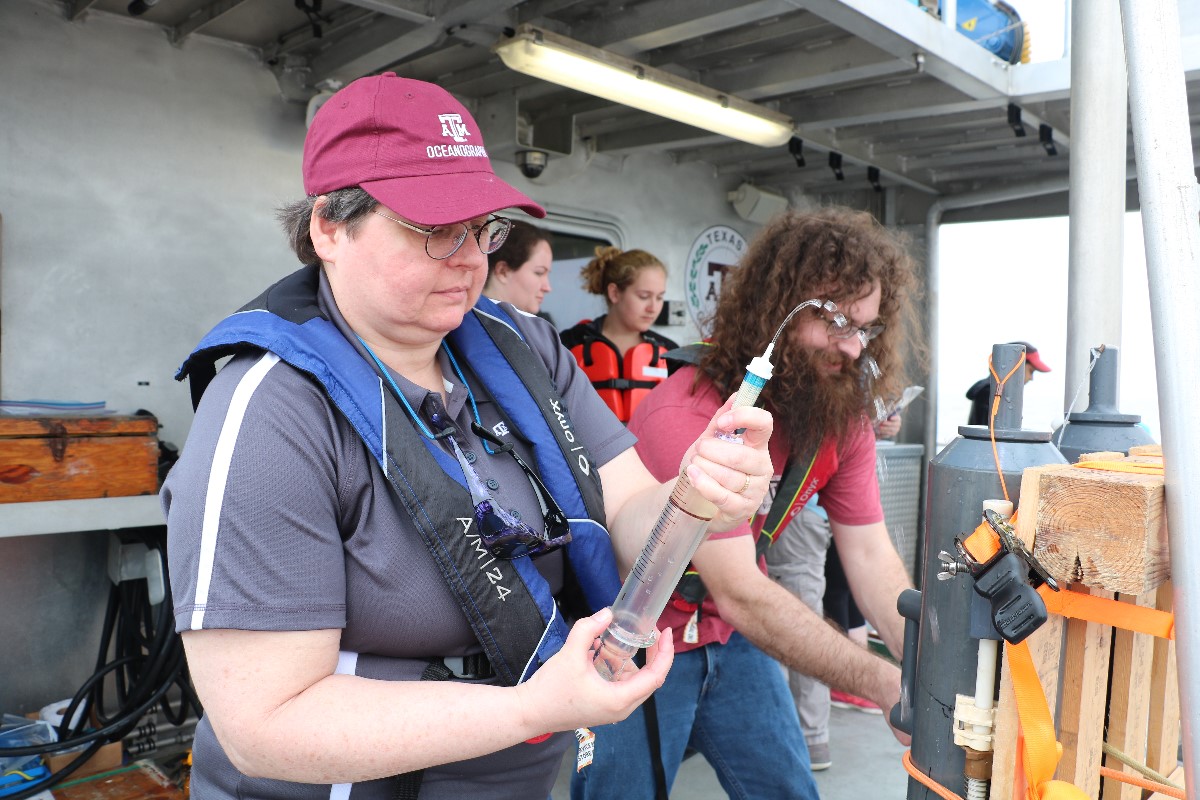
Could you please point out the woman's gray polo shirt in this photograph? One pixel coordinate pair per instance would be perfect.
(279, 519)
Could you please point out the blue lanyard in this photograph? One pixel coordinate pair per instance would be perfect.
(421, 426)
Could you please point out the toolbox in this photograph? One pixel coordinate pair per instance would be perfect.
(70, 457)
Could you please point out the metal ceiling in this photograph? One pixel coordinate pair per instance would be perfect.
(882, 83)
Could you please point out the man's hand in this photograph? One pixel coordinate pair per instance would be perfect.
(888, 428)
(783, 627)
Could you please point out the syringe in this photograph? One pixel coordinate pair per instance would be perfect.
(673, 540)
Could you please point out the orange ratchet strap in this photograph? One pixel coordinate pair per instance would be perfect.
(1042, 751)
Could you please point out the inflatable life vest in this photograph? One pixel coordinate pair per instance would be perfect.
(520, 630)
(622, 383)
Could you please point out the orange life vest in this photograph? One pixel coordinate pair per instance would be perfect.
(622, 383)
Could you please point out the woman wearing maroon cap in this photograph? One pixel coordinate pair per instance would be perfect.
(392, 530)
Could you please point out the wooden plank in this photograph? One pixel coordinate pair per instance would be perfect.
(1162, 745)
(63, 425)
(1085, 664)
(1045, 647)
(1146, 450)
(1129, 700)
(76, 468)
(1103, 455)
(1104, 529)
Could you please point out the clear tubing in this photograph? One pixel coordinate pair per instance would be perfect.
(673, 540)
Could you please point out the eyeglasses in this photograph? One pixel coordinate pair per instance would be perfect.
(500, 530)
(443, 241)
(841, 328)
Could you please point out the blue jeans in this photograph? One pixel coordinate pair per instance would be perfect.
(729, 702)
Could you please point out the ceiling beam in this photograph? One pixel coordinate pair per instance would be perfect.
(1033, 171)
(905, 30)
(661, 23)
(628, 136)
(655, 136)
(76, 8)
(341, 21)
(409, 10)
(1024, 150)
(916, 97)
(761, 32)
(201, 17)
(391, 41)
(843, 62)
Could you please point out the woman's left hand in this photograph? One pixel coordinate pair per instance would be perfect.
(734, 477)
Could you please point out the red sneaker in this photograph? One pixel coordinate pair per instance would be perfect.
(842, 700)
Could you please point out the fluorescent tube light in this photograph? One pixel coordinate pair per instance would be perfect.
(588, 69)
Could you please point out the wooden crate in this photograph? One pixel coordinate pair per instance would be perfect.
(75, 457)
(1102, 684)
(1104, 529)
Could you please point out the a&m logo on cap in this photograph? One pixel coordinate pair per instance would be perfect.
(453, 127)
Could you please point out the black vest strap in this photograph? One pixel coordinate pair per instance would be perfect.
(491, 590)
(537, 378)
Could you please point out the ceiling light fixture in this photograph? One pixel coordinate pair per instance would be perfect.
(588, 69)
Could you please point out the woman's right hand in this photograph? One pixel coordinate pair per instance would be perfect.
(568, 693)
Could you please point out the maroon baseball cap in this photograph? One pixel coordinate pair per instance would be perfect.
(411, 146)
(1032, 358)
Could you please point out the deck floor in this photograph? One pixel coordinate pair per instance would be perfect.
(866, 764)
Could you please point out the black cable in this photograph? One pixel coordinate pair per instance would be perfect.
(147, 662)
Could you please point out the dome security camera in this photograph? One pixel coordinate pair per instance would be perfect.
(532, 162)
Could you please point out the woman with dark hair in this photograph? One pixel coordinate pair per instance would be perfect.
(618, 351)
(519, 272)
(830, 363)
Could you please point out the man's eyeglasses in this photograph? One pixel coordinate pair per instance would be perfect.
(501, 531)
(842, 328)
(443, 241)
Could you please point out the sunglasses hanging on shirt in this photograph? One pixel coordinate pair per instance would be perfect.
(500, 530)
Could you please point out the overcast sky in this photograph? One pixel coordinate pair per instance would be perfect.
(1024, 265)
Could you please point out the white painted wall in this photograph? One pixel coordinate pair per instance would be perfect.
(138, 184)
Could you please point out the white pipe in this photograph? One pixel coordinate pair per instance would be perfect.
(985, 674)
(1170, 210)
(985, 666)
(1097, 196)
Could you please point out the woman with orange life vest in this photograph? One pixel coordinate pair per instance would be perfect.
(617, 351)
(519, 272)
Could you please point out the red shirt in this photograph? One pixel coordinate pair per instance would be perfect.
(671, 418)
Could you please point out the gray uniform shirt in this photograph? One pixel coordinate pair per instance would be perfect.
(280, 519)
